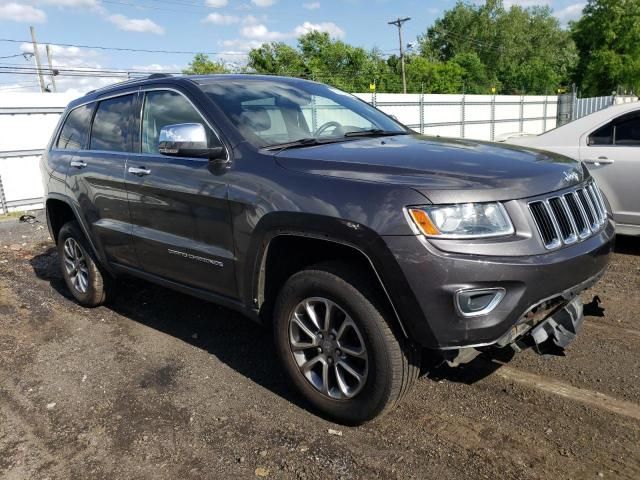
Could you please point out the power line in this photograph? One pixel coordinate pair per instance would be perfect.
(17, 55)
(201, 8)
(12, 84)
(62, 70)
(123, 49)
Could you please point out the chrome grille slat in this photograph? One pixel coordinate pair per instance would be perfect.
(600, 199)
(562, 216)
(588, 208)
(583, 210)
(570, 217)
(596, 202)
(545, 225)
(578, 215)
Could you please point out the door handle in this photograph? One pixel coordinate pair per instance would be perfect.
(600, 161)
(139, 171)
(78, 164)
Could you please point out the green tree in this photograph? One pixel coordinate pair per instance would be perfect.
(434, 77)
(202, 65)
(277, 58)
(518, 50)
(608, 39)
(321, 58)
(475, 76)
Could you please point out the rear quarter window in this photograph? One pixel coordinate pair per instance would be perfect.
(75, 130)
(602, 136)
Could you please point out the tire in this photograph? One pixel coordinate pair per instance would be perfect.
(91, 284)
(387, 369)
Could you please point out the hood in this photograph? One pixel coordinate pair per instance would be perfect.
(444, 170)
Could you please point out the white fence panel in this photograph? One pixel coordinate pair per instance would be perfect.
(586, 106)
(479, 117)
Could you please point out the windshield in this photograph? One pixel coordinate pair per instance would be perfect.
(270, 113)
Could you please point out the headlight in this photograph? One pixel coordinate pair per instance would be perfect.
(464, 220)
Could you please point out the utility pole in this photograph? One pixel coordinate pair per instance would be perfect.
(36, 53)
(398, 23)
(53, 74)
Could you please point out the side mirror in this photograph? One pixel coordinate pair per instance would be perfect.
(188, 140)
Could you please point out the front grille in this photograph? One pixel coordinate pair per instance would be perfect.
(570, 217)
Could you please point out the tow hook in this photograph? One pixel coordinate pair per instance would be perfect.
(556, 332)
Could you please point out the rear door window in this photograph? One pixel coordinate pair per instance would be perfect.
(73, 135)
(112, 125)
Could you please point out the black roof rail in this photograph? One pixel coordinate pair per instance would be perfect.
(131, 80)
(159, 75)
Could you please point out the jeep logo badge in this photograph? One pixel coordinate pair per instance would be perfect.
(571, 176)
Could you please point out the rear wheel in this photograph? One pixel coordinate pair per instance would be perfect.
(337, 346)
(86, 280)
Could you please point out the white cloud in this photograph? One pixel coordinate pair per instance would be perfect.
(158, 68)
(12, 88)
(219, 19)
(239, 45)
(311, 5)
(250, 19)
(260, 32)
(329, 27)
(17, 12)
(86, 61)
(525, 3)
(71, 57)
(143, 25)
(570, 12)
(72, 3)
(263, 3)
(217, 3)
(79, 86)
(82, 60)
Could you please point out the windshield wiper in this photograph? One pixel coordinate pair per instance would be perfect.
(374, 132)
(303, 142)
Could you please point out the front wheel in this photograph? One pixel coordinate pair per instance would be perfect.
(338, 348)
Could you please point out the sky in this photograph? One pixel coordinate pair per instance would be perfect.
(227, 29)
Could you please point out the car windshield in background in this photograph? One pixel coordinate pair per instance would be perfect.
(275, 114)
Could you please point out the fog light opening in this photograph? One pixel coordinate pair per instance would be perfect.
(478, 301)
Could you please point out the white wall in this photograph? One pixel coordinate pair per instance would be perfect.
(20, 130)
(469, 116)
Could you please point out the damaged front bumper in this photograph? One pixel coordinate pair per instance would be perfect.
(548, 327)
(560, 329)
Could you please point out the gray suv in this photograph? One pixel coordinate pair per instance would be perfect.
(359, 242)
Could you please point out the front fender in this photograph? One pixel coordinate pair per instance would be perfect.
(346, 233)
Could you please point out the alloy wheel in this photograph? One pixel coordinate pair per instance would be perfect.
(75, 265)
(328, 348)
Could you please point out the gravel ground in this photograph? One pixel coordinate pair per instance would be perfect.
(159, 385)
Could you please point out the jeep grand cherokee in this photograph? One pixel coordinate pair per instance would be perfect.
(359, 242)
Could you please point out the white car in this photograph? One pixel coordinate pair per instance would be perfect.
(608, 142)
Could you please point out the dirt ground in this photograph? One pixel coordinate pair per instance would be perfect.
(159, 385)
